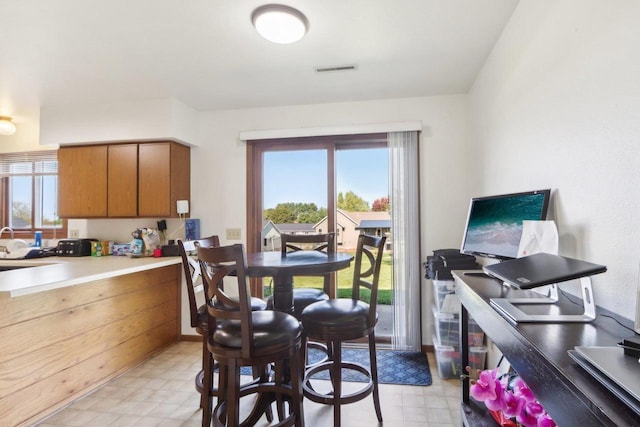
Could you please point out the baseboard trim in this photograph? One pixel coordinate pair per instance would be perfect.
(427, 349)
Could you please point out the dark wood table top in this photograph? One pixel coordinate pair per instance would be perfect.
(538, 352)
(301, 263)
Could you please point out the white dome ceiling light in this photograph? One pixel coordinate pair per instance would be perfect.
(6, 126)
(280, 24)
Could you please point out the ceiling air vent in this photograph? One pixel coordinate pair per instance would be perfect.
(352, 67)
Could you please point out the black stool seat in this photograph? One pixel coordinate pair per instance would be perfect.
(270, 328)
(344, 316)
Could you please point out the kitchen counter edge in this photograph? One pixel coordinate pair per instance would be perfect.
(45, 274)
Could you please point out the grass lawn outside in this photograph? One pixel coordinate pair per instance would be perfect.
(345, 280)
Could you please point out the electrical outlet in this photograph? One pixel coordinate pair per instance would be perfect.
(74, 234)
(233, 234)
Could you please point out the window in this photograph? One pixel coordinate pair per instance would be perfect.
(394, 157)
(29, 194)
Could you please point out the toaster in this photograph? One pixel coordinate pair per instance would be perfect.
(74, 247)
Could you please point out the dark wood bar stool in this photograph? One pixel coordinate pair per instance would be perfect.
(337, 320)
(198, 313)
(243, 337)
(302, 297)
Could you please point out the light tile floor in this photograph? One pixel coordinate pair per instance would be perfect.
(161, 392)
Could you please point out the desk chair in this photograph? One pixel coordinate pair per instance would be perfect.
(243, 337)
(337, 320)
(198, 313)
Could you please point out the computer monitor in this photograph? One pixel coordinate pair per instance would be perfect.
(494, 223)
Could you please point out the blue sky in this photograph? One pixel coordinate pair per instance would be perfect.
(286, 175)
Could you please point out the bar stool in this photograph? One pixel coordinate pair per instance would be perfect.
(198, 313)
(302, 297)
(243, 337)
(341, 319)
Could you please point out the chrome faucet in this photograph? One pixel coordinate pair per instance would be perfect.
(3, 229)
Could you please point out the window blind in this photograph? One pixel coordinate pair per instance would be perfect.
(28, 163)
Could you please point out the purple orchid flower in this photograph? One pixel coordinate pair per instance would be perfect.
(545, 420)
(512, 404)
(484, 388)
(521, 389)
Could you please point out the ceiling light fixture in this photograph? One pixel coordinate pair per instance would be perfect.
(6, 126)
(280, 24)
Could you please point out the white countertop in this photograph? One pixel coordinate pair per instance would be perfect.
(44, 274)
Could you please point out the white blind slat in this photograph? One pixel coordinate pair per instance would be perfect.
(27, 163)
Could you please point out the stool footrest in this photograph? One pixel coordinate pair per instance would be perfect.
(330, 398)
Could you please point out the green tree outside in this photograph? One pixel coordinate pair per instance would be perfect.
(295, 213)
(351, 202)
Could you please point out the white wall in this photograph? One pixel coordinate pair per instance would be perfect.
(218, 165)
(158, 119)
(557, 105)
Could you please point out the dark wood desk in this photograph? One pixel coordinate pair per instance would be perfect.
(538, 352)
(283, 268)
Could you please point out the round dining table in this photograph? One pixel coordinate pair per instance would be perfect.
(282, 268)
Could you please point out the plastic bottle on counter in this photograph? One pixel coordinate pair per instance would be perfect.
(38, 243)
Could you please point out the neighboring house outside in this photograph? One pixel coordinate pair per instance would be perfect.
(271, 233)
(350, 226)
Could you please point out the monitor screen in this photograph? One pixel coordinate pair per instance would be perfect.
(494, 223)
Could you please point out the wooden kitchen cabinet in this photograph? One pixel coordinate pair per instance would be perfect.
(163, 178)
(123, 180)
(82, 181)
(122, 187)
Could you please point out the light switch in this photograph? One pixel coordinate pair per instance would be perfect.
(233, 234)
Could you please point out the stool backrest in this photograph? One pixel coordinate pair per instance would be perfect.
(366, 271)
(216, 264)
(191, 270)
(318, 242)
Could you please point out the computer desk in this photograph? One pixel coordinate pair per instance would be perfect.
(538, 352)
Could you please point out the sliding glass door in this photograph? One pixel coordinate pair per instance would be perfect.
(319, 185)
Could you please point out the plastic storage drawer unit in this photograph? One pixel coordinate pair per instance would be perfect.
(444, 296)
(449, 362)
(447, 327)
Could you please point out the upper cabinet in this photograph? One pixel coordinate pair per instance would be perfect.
(164, 171)
(123, 180)
(82, 182)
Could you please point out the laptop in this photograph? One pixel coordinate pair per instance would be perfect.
(541, 269)
(618, 372)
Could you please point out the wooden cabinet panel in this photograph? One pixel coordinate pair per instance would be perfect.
(123, 180)
(154, 178)
(163, 178)
(82, 181)
(122, 186)
(180, 176)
